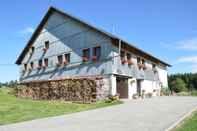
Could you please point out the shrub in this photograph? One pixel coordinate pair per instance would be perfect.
(112, 98)
(178, 85)
(183, 93)
(194, 93)
(165, 92)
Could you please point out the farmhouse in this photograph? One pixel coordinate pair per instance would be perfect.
(64, 47)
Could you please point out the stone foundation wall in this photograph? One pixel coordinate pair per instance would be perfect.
(85, 90)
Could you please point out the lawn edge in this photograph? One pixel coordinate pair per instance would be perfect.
(180, 120)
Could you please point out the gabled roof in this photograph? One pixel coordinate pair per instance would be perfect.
(52, 10)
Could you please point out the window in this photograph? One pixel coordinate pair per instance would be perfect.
(138, 60)
(96, 53)
(46, 62)
(32, 49)
(153, 66)
(67, 58)
(122, 54)
(40, 63)
(25, 66)
(60, 59)
(143, 61)
(128, 56)
(86, 54)
(32, 65)
(46, 44)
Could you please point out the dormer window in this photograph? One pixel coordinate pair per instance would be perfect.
(86, 55)
(96, 53)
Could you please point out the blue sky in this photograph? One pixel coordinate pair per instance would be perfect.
(166, 29)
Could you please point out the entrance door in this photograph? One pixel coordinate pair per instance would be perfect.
(139, 87)
(122, 87)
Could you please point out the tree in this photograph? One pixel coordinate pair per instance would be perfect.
(178, 85)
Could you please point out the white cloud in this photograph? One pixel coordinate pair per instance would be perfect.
(187, 59)
(187, 45)
(191, 62)
(26, 31)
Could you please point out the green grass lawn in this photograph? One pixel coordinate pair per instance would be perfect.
(190, 124)
(14, 109)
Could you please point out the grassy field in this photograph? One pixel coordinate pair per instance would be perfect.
(14, 109)
(189, 124)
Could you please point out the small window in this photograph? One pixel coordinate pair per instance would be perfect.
(40, 63)
(25, 66)
(67, 58)
(122, 54)
(96, 53)
(153, 66)
(86, 54)
(46, 62)
(60, 59)
(128, 56)
(46, 44)
(32, 49)
(138, 60)
(32, 65)
(143, 61)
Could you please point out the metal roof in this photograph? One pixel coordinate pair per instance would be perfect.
(52, 10)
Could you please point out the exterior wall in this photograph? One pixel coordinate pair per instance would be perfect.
(132, 86)
(150, 86)
(163, 76)
(113, 85)
(133, 70)
(68, 36)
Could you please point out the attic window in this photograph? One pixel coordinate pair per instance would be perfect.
(46, 44)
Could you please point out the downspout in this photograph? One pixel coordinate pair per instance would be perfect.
(119, 46)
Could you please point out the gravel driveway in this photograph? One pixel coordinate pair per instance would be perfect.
(155, 114)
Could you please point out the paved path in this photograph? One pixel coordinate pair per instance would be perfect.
(155, 114)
